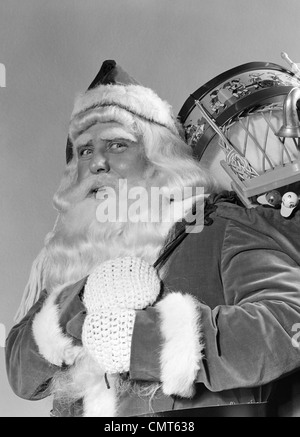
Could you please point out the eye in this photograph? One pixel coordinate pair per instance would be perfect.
(84, 151)
(117, 147)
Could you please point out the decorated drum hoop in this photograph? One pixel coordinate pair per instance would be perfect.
(225, 100)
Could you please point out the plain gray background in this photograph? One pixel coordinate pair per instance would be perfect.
(53, 49)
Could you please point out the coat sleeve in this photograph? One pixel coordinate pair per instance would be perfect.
(29, 371)
(246, 342)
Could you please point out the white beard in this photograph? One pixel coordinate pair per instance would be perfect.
(79, 242)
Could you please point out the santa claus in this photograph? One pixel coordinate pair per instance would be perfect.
(133, 307)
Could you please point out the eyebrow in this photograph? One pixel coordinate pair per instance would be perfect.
(84, 144)
(108, 134)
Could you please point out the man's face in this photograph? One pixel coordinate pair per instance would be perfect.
(109, 152)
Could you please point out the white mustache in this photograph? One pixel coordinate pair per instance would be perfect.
(80, 191)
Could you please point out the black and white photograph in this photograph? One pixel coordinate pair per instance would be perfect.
(150, 214)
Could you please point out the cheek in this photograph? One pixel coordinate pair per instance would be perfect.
(82, 170)
(132, 167)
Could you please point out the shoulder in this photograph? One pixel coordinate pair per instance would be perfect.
(262, 219)
(265, 225)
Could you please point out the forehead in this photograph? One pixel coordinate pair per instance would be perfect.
(106, 131)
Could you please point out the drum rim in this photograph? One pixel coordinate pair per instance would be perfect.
(267, 96)
(202, 91)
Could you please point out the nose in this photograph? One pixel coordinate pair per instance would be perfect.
(99, 163)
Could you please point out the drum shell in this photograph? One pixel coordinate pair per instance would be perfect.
(231, 100)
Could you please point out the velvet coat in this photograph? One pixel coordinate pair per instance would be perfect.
(242, 273)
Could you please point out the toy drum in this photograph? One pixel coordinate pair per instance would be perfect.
(243, 126)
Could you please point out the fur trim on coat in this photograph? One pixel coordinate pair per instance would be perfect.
(53, 344)
(182, 348)
(180, 358)
(58, 349)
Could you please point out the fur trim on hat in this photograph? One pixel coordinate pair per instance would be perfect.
(182, 348)
(135, 99)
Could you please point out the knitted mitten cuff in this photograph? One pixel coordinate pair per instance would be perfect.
(107, 337)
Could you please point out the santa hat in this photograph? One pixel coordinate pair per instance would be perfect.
(114, 88)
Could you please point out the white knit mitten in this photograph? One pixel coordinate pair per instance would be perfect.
(113, 292)
(127, 282)
(107, 336)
